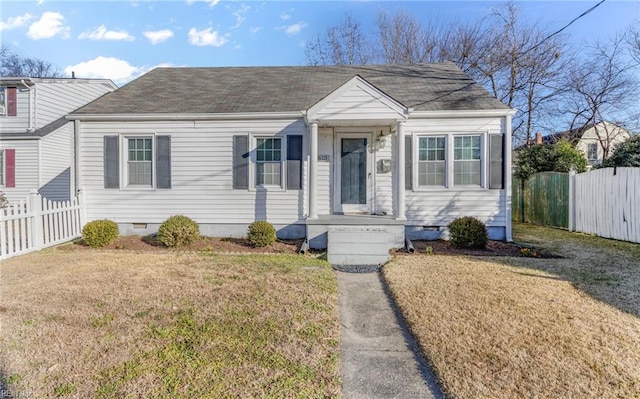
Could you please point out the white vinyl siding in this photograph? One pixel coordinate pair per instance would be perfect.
(466, 160)
(139, 162)
(201, 175)
(20, 122)
(26, 168)
(268, 161)
(439, 206)
(56, 152)
(325, 167)
(358, 102)
(58, 98)
(431, 161)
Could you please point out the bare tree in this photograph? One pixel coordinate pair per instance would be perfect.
(633, 39)
(343, 44)
(404, 40)
(601, 88)
(12, 64)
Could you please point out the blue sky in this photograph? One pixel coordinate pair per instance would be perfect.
(120, 40)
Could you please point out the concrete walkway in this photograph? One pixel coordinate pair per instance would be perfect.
(379, 357)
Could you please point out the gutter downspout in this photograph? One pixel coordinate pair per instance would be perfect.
(31, 107)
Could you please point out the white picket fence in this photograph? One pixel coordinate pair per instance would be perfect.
(606, 202)
(36, 223)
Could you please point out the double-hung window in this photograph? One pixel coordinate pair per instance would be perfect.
(269, 161)
(467, 160)
(139, 161)
(432, 161)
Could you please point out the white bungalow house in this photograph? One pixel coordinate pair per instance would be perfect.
(36, 143)
(596, 141)
(353, 158)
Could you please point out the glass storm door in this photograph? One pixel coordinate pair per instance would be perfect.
(354, 176)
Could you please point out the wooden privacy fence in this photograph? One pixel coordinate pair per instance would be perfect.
(604, 202)
(36, 223)
(542, 199)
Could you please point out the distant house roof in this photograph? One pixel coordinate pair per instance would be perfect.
(574, 135)
(423, 87)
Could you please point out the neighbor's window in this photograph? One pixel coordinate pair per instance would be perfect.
(466, 160)
(139, 164)
(592, 151)
(268, 161)
(3, 101)
(431, 161)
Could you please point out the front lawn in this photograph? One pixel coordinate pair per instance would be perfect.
(106, 324)
(507, 327)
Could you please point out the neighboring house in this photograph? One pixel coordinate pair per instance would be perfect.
(324, 151)
(595, 141)
(36, 141)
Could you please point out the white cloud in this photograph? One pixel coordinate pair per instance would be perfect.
(207, 37)
(255, 29)
(285, 16)
(120, 71)
(101, 33)
(212, 3)
(15, 22)
(240, 15)
(158, 36)
(294, 29)
(49, 25)
(104, 68)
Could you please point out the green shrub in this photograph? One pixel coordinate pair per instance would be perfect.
(468, 232)
(261, 234)
(100, 233)
(178, 231)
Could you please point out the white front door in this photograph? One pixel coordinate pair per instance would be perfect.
(353, 177)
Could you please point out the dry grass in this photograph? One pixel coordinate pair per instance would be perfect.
(521, 327)
(99, 324)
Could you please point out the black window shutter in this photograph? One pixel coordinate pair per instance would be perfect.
(163, 161)
(408, 167)
(111, 162)
(496, 156)
(241, 162)
(294, 162)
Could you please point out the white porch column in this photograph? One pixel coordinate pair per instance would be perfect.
(313, 170)
(400, 163)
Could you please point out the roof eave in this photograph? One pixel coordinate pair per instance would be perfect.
(463, 113)
(187, 116)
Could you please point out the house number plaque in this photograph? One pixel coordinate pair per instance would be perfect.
(323, 158)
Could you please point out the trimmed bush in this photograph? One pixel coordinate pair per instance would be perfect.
(468, 232)
(178, 231)
(100, 233)
(261, 234)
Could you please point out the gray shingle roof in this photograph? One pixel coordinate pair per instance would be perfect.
(424, 87)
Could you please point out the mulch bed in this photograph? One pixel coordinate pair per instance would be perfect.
(494, 248)
(240, 245)
(213, 244)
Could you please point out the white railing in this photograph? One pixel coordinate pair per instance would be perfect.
(606, 202)
(36, 223)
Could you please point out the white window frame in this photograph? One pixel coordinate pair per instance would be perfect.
(3, 104)
(445, 161)
(124, 162)
(253, 169)
(595, 158)
(449, 160)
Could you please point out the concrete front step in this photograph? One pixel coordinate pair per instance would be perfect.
(359, 245)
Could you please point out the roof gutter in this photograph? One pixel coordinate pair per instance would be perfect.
(186, 117)
(463, 113)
